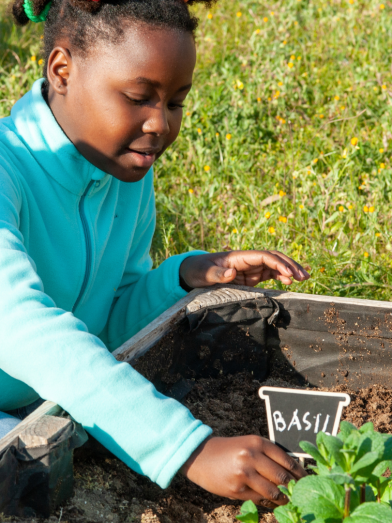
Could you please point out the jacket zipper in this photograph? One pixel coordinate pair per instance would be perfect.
(87, 238)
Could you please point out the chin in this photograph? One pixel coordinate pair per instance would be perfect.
(129, 175)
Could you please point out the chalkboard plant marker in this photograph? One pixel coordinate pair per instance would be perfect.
(297, 414)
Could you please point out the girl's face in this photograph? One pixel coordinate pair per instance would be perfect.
(121, 105)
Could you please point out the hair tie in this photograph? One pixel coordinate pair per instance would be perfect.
(28, 9)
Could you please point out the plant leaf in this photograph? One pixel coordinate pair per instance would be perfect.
(363, 468)
(382, 467)
(370, 513)
(287, 514)
(319, 497)
(367, 427)
(285, 490)
(311, 449)
(249, 513)
(346, 429)
(333, 445)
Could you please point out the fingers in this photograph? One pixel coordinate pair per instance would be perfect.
(290, 465)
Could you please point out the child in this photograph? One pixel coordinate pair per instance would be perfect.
(77, 216)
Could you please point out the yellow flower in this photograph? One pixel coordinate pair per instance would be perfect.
(315, 160)
(382, 165)
(271, 230)
(188, 113)
(269, 98)
(265, 19)
(296, 23)
(257, 31)
(344, 154)
(267, 215)
(277, 94)
(322, 269)
(40, 61)
(292, 57)
(272, 13)
(283, 219)
(308, 172)
(207, 168)
(199, 130)
(209, 16)
(290, 64)
(228, 136)
(282, 193)
(382, 6)
(378, 234)
(299, 57)
(33, 58)
(350, 206)
(383, 87)
(366, 254)
(301, 206)
(217, 134)
(342, 108)
(354, 141)
(190, 191)
(239, 14)
(280, 84)
(371, 209)
(375, 88)
(365, 208)
(284, 42)
(259, 99)
(337, 97)
(341, 208)
(351, 2)
(321, 116)
(381, 151)
(234, 231)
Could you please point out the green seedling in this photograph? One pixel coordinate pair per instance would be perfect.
(249, 513)
(349, 485)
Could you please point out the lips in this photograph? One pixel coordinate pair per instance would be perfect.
(143, 158)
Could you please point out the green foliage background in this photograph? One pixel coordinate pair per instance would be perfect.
(291, 102)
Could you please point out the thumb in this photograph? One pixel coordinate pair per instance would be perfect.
(218, 274)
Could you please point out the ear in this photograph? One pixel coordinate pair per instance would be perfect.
(59, 69)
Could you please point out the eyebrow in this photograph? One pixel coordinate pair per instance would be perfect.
(153, 83)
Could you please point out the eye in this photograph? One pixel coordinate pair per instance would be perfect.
(175, 106)
(135, 101)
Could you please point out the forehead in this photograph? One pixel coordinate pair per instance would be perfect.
(162, 55)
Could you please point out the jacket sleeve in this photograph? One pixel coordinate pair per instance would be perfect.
(51, 351)
(143, 293)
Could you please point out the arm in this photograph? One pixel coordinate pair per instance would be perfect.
(52, 352)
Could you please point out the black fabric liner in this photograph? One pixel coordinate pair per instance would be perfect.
(214, 340)
(33, 481)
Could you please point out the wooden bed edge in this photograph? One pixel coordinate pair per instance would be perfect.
(154, 331)
(36, 428)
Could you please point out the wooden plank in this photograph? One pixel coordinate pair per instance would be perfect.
(49, 408)
(43, 431)
(154, 331)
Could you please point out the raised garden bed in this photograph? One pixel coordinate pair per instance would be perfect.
(334, 343)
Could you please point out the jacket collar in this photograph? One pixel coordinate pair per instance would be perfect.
(51, 148)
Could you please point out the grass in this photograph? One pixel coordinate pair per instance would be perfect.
(286, 139)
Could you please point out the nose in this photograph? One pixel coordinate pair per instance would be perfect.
(157, 121)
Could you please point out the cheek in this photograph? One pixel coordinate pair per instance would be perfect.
(175, 124)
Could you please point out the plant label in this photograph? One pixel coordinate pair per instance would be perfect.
(296, 415)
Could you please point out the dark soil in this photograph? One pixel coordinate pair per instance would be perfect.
(106, 490)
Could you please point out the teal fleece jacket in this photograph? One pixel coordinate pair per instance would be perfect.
(75, 270)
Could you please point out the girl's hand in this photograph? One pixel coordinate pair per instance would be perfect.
(241, 268)
(245, 467)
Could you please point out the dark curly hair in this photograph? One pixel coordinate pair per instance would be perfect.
(84, 22)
